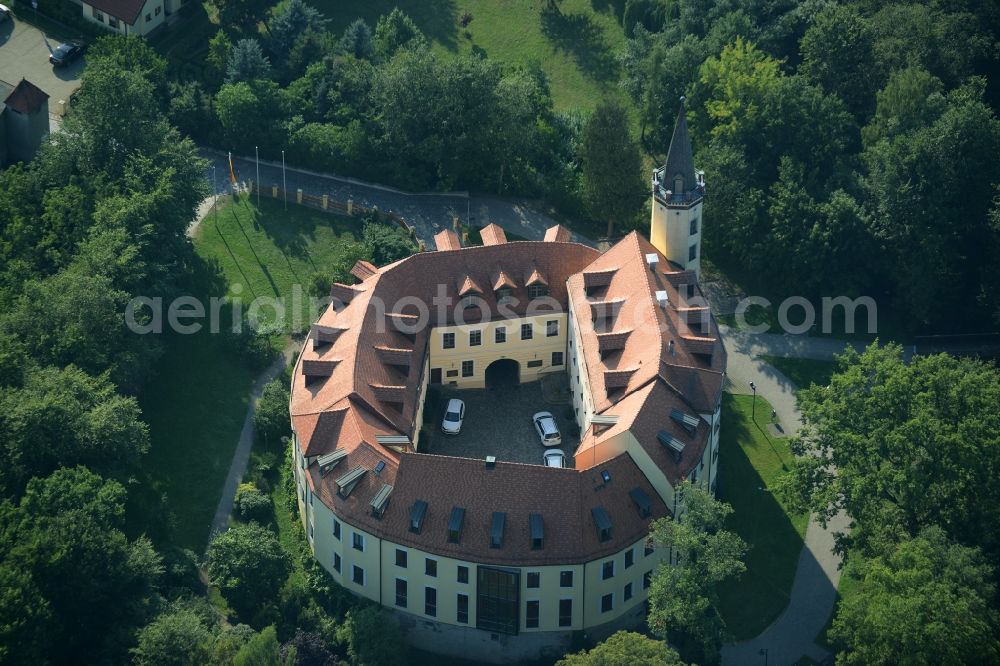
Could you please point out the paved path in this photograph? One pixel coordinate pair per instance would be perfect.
(814, 590)
(428, 212)
(242, 454)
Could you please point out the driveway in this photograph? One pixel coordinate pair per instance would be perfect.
(498, 423)
(24, 53)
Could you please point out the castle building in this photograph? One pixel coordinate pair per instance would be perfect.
(495, 558)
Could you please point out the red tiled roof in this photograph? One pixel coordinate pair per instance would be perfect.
(126, 10)
(26, 97)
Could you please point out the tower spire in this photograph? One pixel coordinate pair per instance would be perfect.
(679, 167)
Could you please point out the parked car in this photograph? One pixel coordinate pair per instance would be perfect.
(66, 53)
(453, 417)
(5, 14)
(554, 458)
(548, 431)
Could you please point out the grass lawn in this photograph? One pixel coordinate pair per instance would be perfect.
(750, 461)
(272, 253)
(803, 371)
(197, 400)
(576, 50)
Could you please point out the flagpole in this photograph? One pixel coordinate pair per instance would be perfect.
(284, 183)
(215, 195)
(257, 156)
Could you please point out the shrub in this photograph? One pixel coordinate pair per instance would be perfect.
(248, 566)
(252, 504)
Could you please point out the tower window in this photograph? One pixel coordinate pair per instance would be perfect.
(692, 253)
(694, 226)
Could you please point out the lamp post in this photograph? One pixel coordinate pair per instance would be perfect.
(753, 405)
(284, 183)
(215, 196)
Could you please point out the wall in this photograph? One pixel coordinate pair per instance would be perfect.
(539, 348)
(25, 132)
(670, 233)
(579, 379)
(141, 27)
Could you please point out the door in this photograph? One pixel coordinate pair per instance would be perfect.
(435, 375)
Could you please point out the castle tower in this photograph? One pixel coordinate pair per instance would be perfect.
(678, 191)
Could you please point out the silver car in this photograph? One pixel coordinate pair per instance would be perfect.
(548, 431)
(554, 458)
(453, 417)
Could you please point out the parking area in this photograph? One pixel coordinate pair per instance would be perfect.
(498, 423)
(24, 53)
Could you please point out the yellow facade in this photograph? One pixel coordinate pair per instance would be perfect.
(670, 232)
(534, 356)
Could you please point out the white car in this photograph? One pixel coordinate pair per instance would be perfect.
(453, 416)
(554, 458)
(545, 426)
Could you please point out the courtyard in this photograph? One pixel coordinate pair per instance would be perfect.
(498, 422)
(24, 53)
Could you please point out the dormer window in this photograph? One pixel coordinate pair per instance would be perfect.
(503, 293)
(537, 291)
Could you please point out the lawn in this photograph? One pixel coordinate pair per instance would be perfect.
(803, 371)
(749, 463)
(269, 253)
(576, 49)
(196, 402)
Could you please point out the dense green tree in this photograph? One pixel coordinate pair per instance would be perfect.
(396, 31)
(913, 445)
(625, 647)
(912, 98)
(253, 504)
(372, 637)
(249, 566)
(63, 417)
(926, 598)
(612, 182)
(190, 110)
(247, 62)
(63, 543)
(683, 595)
(181, 635)
(219, 48)
(357, 40)
(291, 20)
(239, 107)
(243, 14)
(386, 241)
(270, 418)
(134, 55)
(262, 650)
(310, 649)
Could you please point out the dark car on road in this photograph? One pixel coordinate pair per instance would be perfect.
(4, 13)
(66, 53)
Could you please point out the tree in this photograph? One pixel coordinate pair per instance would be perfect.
(291, 20)
(243, 14)
(262, 650)
(179, 636)
(308, 649)
(926, 598)
(625, 647)
(612, 181)
(249, 567)
(253, 504)
(62, 418)
(134, 55)
(247, 62)
(396, 31)
(219, 48)
(90, 585)
(912, 98)
(270, 418)
(239, 109)
(372, 637)
(386, 241)
(913, 445)
(357, 40)
(683, 595)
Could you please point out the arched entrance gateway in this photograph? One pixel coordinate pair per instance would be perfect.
(503, 373)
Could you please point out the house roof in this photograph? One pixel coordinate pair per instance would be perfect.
(26, 97)
(679, 156)
(642, 357)
(126, 10)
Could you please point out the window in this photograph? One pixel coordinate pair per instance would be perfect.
(525, 331)
(646, 577)
(468, 367)
(565, 579)
(113, 22)
(692, 253)
(534, 579)
(557, 358)
(648, 549)
(359, 575)
(694, 475)
(400, 558)
(336, 528)
(537, 290)
(608, 570)
(311, 532)
(97, 15)
(694, 226)
(627, 594)
(531, 615)
(475, 338)
(500, 335)
(359, 542)
(149, 17)
(401, 593)
(430, 601)
(158, 10)
(565, 612)
(498, 600)
(607, 603)
(715, 455)
(448, 341)
(629, 558)
(463, 574)
(336, 562)
(462, 615)
(552, 328)
(431, 567)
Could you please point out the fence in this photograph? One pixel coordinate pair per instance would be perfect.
(326, 204)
